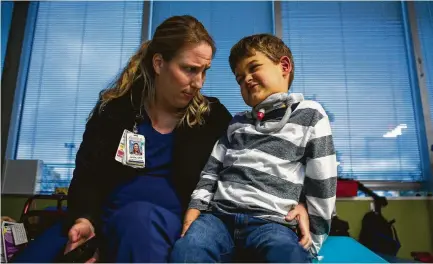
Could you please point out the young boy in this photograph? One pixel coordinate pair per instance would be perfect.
(258, 169)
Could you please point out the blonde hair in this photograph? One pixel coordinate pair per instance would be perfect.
(270, 45)
(170, 37)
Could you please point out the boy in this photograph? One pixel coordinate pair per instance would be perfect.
(258, 169)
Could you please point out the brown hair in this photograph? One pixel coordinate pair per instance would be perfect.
(270, 45)
(169, 38)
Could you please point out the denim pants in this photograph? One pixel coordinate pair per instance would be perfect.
(224, 238)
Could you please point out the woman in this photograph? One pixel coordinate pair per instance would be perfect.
(136, 213)
(136, 149)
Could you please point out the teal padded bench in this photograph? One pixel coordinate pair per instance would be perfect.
(338, 249)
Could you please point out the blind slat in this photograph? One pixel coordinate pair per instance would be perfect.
(78, 48)
(227, 23)
(351, 57)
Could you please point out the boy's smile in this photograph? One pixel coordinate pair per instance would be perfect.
(259, 77)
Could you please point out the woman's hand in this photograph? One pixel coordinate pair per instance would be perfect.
(79, 233)
(190, 216)
(300, 214)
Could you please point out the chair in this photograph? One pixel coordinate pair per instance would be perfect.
(37, 221)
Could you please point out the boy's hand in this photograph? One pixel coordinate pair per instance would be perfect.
(190, 216)
(300, 214)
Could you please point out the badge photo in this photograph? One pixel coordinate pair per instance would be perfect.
(135, 150)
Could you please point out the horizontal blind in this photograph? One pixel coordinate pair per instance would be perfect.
(424, 15)
(78, 49)
(227, 23)
(351, 57)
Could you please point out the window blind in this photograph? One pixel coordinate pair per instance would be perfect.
(78, 49)
(352, 58)
(227, 22)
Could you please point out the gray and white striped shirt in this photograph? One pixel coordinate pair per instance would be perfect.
(263, 174)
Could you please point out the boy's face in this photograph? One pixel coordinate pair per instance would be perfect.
(259, 77)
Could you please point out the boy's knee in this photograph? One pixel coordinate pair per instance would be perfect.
(183, 248)
(192, 240)
(199, 238)
(207, 240)
(194, 248)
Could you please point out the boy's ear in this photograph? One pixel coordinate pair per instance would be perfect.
(157, 62)
(286, 65)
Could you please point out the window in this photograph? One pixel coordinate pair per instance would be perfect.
(424, 15)
(78, 49)
(352, 58)
(227, 23)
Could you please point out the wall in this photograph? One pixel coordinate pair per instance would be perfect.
(11, 68)
(413, 219)
(6, 18)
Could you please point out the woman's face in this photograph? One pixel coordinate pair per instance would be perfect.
(135, 147)
(177, 81)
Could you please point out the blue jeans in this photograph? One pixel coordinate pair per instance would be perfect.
(214, 238)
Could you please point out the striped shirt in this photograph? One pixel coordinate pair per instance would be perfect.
(263, 174)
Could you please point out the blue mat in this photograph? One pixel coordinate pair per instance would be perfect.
(338, 249)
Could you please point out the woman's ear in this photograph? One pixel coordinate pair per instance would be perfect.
(158, 63)
(286, 65)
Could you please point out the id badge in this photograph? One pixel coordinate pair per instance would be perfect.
(135, 146)
(121, 149)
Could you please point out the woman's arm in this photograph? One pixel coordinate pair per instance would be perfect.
(84, 196)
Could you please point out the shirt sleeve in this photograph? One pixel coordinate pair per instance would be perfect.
(320, 179)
